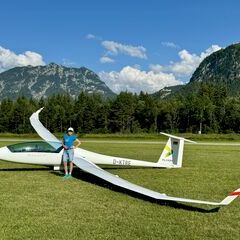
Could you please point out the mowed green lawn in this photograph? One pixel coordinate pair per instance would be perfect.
(37, 203)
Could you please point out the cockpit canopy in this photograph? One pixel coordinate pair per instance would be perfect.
(38, 146)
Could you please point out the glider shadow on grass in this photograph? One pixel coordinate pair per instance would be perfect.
(23, 169)
(87, 177)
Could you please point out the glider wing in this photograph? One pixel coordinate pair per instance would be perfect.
(40, 129)
(93, 169)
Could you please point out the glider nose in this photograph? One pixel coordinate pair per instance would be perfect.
(4, 153)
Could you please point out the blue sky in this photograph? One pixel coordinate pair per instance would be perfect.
(133, 45)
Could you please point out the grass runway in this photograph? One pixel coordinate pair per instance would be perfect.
(36, 203)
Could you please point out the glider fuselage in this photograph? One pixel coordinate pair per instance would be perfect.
(42, 153)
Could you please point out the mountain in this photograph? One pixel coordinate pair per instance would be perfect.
(167, 91)
(221, 68)
(43, 81)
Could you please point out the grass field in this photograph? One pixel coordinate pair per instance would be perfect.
(36, 203)
(136, 136)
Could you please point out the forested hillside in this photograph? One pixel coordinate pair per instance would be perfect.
(127, 113)
(211, 100)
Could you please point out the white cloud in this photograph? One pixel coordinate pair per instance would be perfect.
(187, 64)
(115, 48)
(67, 62)
(106, 59)
(90, 36)
(9, 59)
(135, 80)
(156, 68)
(169, 44)
(159, 76)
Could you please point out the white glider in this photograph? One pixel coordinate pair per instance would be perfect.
(171, 156)
(50, 152)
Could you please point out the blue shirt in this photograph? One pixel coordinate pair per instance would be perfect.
(68, 140)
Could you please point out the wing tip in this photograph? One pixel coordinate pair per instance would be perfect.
(39, 110)
(235, 193)
(35, 114)
(231, 196)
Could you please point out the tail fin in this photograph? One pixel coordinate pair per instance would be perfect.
(172, 154)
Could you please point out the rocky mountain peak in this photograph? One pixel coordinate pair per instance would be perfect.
(43, 81)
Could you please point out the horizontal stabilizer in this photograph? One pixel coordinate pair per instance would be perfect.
(175, 137)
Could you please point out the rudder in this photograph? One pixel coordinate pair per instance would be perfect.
(172, 154)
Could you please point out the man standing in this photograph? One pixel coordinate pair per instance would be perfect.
(68, 144)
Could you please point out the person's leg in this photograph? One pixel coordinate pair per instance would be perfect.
(71, 155)
(71, 167)
(65, 167)
(65, 164)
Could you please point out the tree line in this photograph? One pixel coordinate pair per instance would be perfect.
(210, 107)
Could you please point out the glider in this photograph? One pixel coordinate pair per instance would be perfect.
(49, 152)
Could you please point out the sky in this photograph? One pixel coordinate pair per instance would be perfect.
(132, 45)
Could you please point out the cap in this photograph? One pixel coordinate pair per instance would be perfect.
(70, 129)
